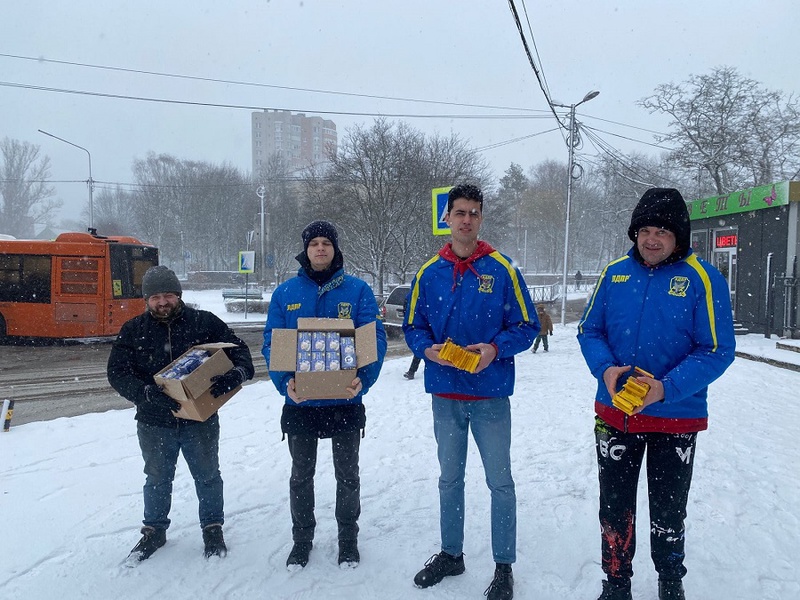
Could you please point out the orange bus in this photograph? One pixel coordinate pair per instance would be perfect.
(76, 286)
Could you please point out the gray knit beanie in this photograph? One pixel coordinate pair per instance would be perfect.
(160, 280)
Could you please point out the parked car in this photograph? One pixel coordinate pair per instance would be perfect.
(393, 309)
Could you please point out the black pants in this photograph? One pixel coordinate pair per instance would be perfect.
(303, 449)
(414, 365)
(670, 458)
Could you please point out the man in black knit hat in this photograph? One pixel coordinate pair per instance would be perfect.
(145, 345)
(664, 310)
(321, 289)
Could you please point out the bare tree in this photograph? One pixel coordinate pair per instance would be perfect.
(378, 191)
(730, 128)
(26, 194)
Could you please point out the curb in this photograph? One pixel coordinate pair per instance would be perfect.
(769, 361)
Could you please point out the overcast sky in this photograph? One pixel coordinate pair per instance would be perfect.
(449, 53)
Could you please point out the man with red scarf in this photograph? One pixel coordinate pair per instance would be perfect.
(475, 296)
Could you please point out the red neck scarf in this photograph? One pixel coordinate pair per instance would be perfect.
(462, 265)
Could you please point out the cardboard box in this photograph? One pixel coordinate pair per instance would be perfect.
(321, 385)
(193, 391)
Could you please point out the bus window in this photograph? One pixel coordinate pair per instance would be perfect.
(79, 276)
(128, 265)
(24, 278)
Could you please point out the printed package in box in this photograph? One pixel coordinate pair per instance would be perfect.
(193, 390)
(320, 385)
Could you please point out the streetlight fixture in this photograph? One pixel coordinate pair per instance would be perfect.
(90, 182)
(572, 141)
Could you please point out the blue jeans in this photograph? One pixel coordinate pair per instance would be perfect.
(160, 446)
(490, 421)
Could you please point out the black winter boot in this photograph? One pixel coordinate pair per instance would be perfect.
(613, 592)
(348, 554)
(152, 540)
(502, 586)
(438, 567)
(670, 589)
(214, 541)
(298, 557)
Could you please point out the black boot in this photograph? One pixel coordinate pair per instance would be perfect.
(152, 540)
(502, 586)
(298, 557)
(348, 554)
(670, 589)
(214, 541)
(614, 592)
(438, 567)
(408, 375)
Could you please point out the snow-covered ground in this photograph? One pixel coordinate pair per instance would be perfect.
(71, 497)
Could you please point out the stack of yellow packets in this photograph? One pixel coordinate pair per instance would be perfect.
(466, 360)
(632, 394)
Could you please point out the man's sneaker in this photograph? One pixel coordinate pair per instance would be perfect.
(613, 592)
(214, 541)
(152, 540)
(671, 589)
(348, 554)
(438, 567)
(408, 375)
(502, 586)
(298, 557)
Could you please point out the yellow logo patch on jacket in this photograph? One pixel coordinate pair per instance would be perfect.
(678, 286)
(345, 310)
(486, 284)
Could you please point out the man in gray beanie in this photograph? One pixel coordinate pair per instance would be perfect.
(667, 312)
(145, 345)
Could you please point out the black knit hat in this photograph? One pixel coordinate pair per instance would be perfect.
(160, 280)
(665, 208)
(317, 229)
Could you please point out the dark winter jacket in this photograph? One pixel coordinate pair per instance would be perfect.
(672, 320)
(146, 345)
(341, 296)
(481, 299)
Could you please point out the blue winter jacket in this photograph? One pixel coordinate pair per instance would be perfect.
(489, 304)
(343, 296)
(672, 320)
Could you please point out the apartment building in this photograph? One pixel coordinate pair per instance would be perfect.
(299, 139)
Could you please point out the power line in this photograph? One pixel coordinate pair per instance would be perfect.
(536, 72)
(260, 108)
(256, 84)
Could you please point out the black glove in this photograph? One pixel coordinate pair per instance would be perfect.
(155, 398)
(222, 384)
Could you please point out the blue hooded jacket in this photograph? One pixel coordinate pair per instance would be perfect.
(672, 320)
(343, 296)
(483, 299)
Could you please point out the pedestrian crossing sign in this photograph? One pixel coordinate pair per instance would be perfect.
(247, 261)
(439, 210)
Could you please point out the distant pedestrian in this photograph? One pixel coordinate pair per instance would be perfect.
(578, 279)
(668, 312)
(415, 360)
(547, 328)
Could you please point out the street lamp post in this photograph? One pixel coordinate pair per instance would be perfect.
(90, 182)
(262, 192)
(571, 142)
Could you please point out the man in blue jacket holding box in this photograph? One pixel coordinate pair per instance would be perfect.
(322, 289)
(662, 309)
